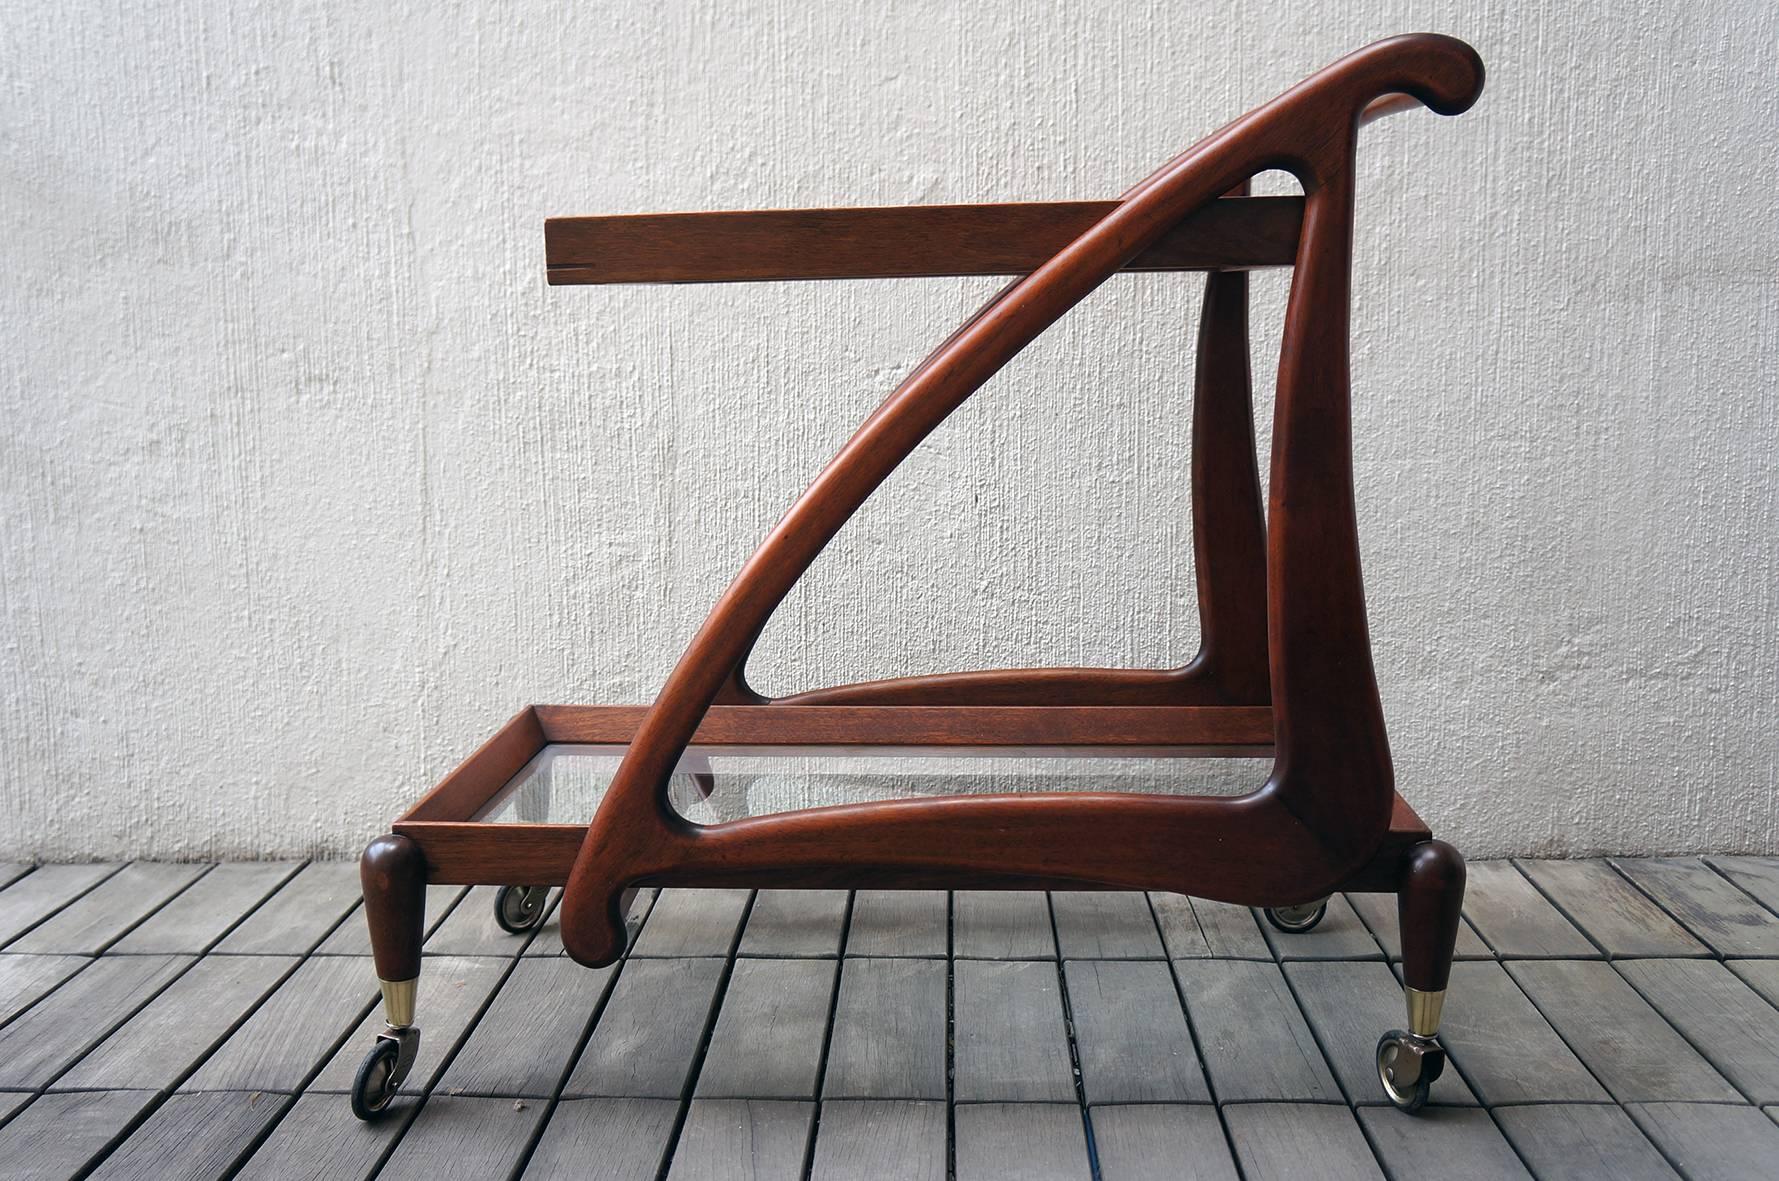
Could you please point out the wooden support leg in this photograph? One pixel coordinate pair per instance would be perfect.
(393, 872)
(1428, 906)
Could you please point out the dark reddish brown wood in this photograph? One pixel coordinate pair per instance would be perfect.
(902, 242)
(485, 772)
(393, 873)
(1428, 905)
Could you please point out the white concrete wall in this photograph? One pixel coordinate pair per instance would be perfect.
(307, 481)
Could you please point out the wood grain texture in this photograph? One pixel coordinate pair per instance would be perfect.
(1039, 1141)
(1516, 919)
(898, 923)
(1194, 928)
(43, 892)
(1284, 1141)
(202, 914)
(1711, 1139)
(300, 915)
(1509, 1053)
(1130, 1033)
(1002, 925)
(57, 1030)
(1724, 1019)
(795, 923)
(319, 1139)
(889, 1036)
(1255, 1041)
(58, 1135)
(1614, 913)
(294, 1031)
(1711, 907)
(193, 1138)
(26, 978)
(865, 1140)
(770, 1032)
(97, 918)
(1105, 925)
(1339, 936)
(1010, 1041)
(461, 1136)
(1170, 1142)
(524, 1042)
(651, 1028)
(1583, 1142)
(453, 992)
(742, 1140)
(1759, 876)
(628, 1137)
(1452, 1143)
(692, 923)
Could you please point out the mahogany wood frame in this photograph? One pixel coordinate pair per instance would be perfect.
(1285, 667)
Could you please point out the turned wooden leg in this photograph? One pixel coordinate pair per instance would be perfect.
(393, 872)
(1428, 906)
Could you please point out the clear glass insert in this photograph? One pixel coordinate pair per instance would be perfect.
(565, 782)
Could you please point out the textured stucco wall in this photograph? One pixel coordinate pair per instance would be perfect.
(307, 480)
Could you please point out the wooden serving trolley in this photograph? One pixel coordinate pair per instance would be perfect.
(1285, 669)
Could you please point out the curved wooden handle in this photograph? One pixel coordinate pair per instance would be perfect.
(1333, 764)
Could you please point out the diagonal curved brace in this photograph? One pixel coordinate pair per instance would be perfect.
(1330, 790)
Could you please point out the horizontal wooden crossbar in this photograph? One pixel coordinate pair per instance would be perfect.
(1234, 233)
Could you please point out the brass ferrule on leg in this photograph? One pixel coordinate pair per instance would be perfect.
(1423, 1011)
(398, 1001)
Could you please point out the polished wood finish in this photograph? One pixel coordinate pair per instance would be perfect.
(1429, 906)
(393, 871)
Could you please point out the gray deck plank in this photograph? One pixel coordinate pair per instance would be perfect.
(192, 1138)
(628, 1138)
(1105, 925)
(12, 871)
(1349, 1005)
(899, 923)
(62, 1026)
(1339, 936)
(453, 990)
(97, 918)
(795, 924)
(1725, 1020)
(1615, 1032)
(768, 1039)
(548, 940)
(1760, 975)
(1288, 1141)
(650, 1031)
(1197, 928)
(742, 1140)
(1610, 910)
(200, 916)
(179, 1027)
(11, 1101)
(1002, 925)
(1583, 1142)
(58, 1135)
(1759, 876)
(24, 979)
(1712, 1141)
(471, 1138)
(1181, 933)
(1505, 1047)
(1031, 1141)
(353, 937)
(320, 1139)
(523, 1043)
(889, 1031)
(686, 923)
(469, 928)
(300, 915)
(1011, 1042)
(1715, 910)
(1451, 1143)
(43, 892)
(1169, 1142)
(880, 1140)
(1515, 919)
(1256, 1043)
(1378, 913)
(294, 1031)
(1131, 1035)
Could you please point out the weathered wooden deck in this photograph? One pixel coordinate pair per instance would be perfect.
(1608, 1019)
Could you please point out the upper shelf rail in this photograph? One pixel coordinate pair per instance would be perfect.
(1235, 233)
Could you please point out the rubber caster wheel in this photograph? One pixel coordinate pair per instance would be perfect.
(519, 909)
(1408, 1066)
(1295, 920)
(376, 1084)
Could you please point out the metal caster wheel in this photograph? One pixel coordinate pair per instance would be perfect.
(519, 909)
(1295, 920)
(381, 1074)
(1408, 1066)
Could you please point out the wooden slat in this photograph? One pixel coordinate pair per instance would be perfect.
(1287, 1141)
(1509, 1052)
(1626, 1043)
(200, 916)
(898, 241)
(1379, 914)
(469, 928)
(61, 1027)
(650, 1031)
(1130, 1034)
(1002, 925)
(889, 1031)
(1169, 1142)
(1451, 1143)
(742, 1140)
(898, 922)
(192, 1138)
(94, 921)
(1256, 1043)
(1724, 1019)
(1610, 910)
(1349, 1004)
(461, 1136)
(1196, 928)
(549, 936)
(1105, 925)
(300, 915)
(1712, 1140)
(523, 1044)
(320, 1139)
(1760, 975)
(453, 991)
(1583, 1142)
(792, 924)
(1339, 936)
(1011, 1044)
(292, 1032)
(1729, 921)
(1031, 1141)
(1759, 876)
(353, 937)
(872, 1139)
(1515, 919)
(25, 978)
(43, 892)
(692, 923)
(622, 1137)
(58, 1135)
(770, 1031)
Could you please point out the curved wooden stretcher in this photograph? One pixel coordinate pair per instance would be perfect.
(1285, 665)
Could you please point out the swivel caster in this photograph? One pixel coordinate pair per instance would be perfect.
(1295, 920)
(383, 1071)
(1407, 1066)
(519, 909)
